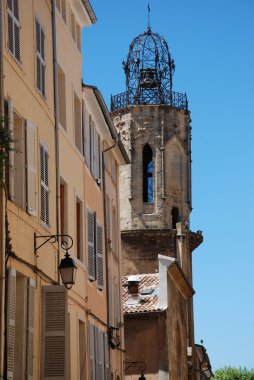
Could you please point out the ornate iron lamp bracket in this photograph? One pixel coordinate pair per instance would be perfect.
(66, 244)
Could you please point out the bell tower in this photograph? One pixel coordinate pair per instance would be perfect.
(155, 189)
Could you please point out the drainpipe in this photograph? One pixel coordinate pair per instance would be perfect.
(162, 161)
(56, 104)
(2, 218)
(105, 228)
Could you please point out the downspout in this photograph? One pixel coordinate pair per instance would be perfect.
(56, 103)
(2, 217)
(105, 230)
(162, 161)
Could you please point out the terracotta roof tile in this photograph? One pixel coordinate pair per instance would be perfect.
(146, 302)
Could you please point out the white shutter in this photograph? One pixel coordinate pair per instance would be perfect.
(11, 311)
(91, 351)
(11, 152)
(30, 329)
(44, 182)
(55, 333)
(99, 255)
(90, 244)
(31, 158)
(97, 348)
(106, 357)
(13, 28)
(101, 355)
(108, 219)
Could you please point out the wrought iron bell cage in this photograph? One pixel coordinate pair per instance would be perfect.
(149, 71)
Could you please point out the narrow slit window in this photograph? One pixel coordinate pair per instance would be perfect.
(147, 174)
(175, 216)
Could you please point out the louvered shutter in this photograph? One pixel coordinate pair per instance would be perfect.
(11, 311)
(106, 357)
(55, 333)
(30, 329)
(108, 219)
(44, 184)
(13, 28)
(40, 57)
(31, 158)
(91, 351)
(101, 375)
(90, 244)
(99, 255)
(96, 342)
(11, 152)
(91, 126)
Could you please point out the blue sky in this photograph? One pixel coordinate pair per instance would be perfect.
(212, 43)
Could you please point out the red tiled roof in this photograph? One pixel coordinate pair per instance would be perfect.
(147, 303)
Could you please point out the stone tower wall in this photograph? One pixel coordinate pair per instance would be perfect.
(167, 131)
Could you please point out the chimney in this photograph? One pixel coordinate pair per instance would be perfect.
(133, 289)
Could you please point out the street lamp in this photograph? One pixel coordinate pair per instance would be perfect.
(141, 367)
(68, 270)
(67, 267)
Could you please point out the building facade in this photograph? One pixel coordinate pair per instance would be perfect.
(60, 195)
(154, 124)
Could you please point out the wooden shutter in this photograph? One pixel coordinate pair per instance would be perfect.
(91, 146)
(13, 28)
(101, 374)
(99, 255)
(97, 348)
(11, 152)
(106, 357)
(40, 57)
(90, 244)
(55, 333)
(31, 159)
(91, 351)
(11, 312)
(44, 184)
(30, 329)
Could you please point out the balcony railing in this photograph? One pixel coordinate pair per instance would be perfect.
(174, 99)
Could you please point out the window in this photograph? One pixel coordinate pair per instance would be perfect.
(40, 58)
(98, 353)
(17, 173)
(73, 26)
(175, 216)
(61, 97)
(77, 123)
(79, 228)
(113, 169)
(13, 28)
(20, 326)
(78, 33)
(82, 350)
(147, 174)
(92, 148)
(44, 181)
(95, 249)
(108, 219)
(61, 6)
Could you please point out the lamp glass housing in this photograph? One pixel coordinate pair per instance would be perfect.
(68, 271)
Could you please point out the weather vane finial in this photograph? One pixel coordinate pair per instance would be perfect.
(148, 15)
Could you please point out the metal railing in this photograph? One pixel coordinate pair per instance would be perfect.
(174, 99)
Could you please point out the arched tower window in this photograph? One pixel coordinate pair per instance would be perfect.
(147, 174)
(175, 216)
